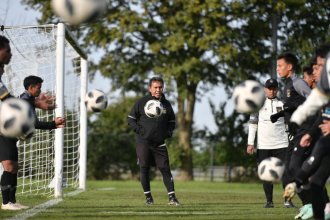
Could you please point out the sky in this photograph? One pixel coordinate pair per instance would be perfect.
(18, 16)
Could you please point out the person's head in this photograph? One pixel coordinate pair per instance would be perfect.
(308, 75)
(32, 84)
(2, 69)
(321, 53)
(156, 86)
(313, 65)
(271, 88)
(5, 51)
(286, 64)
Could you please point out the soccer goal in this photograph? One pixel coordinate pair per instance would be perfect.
(52, 159)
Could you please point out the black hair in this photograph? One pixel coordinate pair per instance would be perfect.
(313, 62)
(156, 79)
(308, 69)
(322, 50)
(3, 41)
(32, 81)
(289, 58)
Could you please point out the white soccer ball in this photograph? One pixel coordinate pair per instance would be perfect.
(153, 108)
(27, 135)
(96, 101)
(79, 11)
(249, 96)
(271, 170)
(16, 118)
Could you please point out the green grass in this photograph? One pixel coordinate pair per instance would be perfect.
(201, 200)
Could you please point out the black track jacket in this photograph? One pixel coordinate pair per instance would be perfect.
(151, 130)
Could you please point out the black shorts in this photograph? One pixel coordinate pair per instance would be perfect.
(265, 153)
(8, 149)
(151, 156)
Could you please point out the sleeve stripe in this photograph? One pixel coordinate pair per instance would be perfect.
(171, 122)
(4, 95)
(131, 117)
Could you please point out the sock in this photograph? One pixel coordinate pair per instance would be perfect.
(144, 178)
(13, 185)
(147, 194)
(5, 186)
(327, 208)
(172, 195)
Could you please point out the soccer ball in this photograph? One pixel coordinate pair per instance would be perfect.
(78, 11)
(16, 118)
(249, 97)
(271, 170)
(96, 101)
(153, 108)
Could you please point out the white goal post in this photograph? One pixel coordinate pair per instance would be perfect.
(56, 158)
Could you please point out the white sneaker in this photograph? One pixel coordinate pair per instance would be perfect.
(21, 206)
(9, 206)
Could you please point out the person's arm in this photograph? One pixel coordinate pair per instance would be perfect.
(301, 87)
(253, 127)
(44, 125)
(4, 94)
(314, 130)
(170, 123)
(133, 117)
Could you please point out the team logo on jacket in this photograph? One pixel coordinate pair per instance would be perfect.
(278, 109)
(164, 110)
(288, 93)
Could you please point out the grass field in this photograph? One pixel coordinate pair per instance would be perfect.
(125, 200)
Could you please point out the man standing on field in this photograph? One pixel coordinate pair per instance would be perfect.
(150, 139)
(272, 138)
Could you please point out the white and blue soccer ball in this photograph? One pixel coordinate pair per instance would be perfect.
(16, 118)
(79, 11)
(249, 96)
(271, 170)
(153, 108)
(96, 100)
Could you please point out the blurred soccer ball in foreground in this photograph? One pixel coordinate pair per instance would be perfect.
(271, 170)
(78, 11)
(249, 96)
(27, 135)
(153, 108)
(16, 118)
(96, 101)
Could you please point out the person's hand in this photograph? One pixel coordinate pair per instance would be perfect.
(60, 122)
(169, 134)
(325, 127)
(306, 140)
(44, 102)
(250, 149)
(293, 127)
(275, 117)
(289, 107)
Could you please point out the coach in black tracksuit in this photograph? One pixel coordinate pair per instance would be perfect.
(295, 92)
(150, 139)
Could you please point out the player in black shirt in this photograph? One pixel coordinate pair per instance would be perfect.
(150, 139)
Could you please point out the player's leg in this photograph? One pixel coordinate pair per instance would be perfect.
(288, 176)
(317, 183)
(268, 188)
(162, 162)
(144, 155)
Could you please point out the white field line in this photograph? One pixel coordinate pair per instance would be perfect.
(111, 188)
(40, 208)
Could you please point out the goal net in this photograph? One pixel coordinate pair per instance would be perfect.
(36, 51)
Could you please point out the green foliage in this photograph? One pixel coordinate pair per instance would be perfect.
(111, 144)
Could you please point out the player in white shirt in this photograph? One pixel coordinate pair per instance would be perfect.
(272, 138)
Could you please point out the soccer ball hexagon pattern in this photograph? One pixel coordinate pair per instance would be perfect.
(249, 96)
(78, 11)
(16, 118)
(96, 101)
(271, 170)
(153, 108)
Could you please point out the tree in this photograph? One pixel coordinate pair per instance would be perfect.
(189, 42)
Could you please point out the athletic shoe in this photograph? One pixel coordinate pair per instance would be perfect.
(20, 206)
(326, 215)
(303, 211)
(173, 201)
(308, 214)
(269, 205)
(9, 206)
(290, 191)
(288, 204)
(150, 201)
